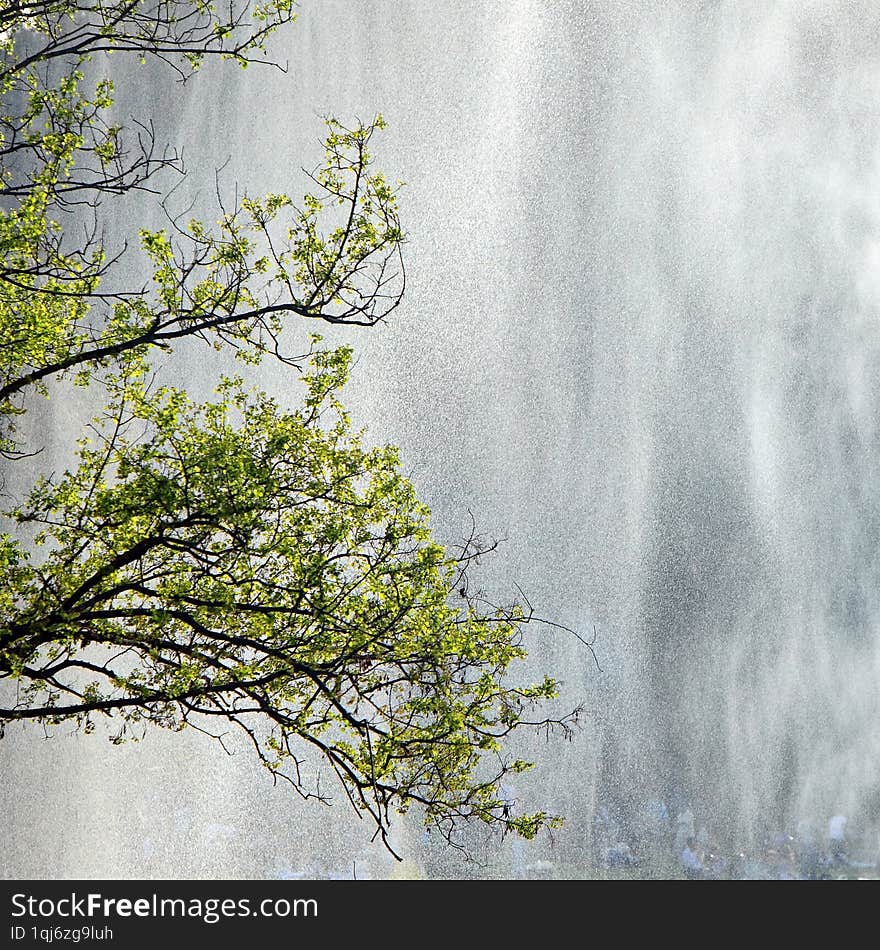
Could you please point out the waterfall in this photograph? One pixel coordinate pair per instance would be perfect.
(641, 342)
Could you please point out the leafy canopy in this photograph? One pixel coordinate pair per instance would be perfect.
(236, 561)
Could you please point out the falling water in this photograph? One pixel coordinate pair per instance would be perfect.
(641, 342)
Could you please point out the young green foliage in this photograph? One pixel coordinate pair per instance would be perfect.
(234, 560)
(231, 562)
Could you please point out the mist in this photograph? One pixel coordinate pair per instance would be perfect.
(640, 342)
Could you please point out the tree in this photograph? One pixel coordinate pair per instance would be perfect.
(232, 563)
